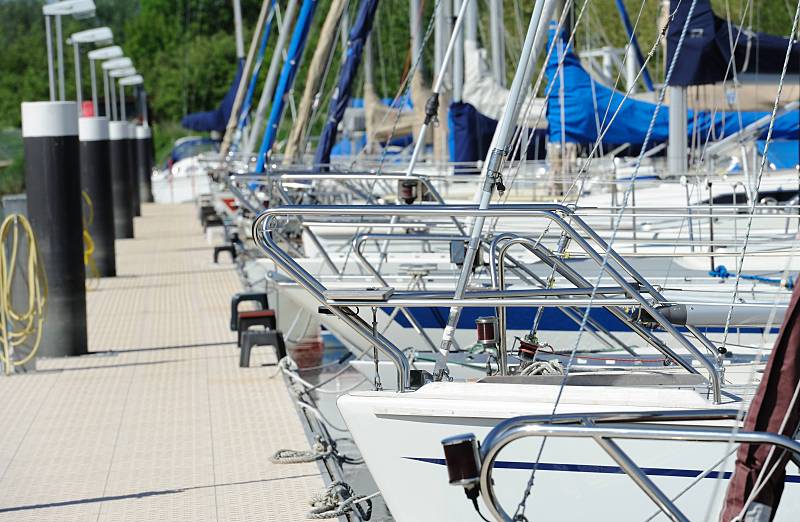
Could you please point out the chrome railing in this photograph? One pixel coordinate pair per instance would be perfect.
(604, 429)
(615, 265)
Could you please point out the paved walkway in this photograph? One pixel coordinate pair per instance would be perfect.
(159, 423)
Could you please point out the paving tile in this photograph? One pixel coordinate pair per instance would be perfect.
(159, 422)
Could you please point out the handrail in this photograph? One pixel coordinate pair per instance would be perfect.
(358, 242)
(597, 427)
(595, 328)
(575, 278)
(553, 212)
(633, 292)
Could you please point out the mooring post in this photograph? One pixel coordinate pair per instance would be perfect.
(96, 181)
(136, 205)
(144, 163)
(53, 187)
(121, 179)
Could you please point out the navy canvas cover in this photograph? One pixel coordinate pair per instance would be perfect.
(710, 42)
(471, 135)
(340, 99)
(217, 119)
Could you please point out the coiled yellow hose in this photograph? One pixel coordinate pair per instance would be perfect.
(20, 328)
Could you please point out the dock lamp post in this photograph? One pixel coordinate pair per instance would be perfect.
(106, 53)
(79, 9)
(109, 65)
(133, 167)
(136, 80)
(97, 36)
(119, 74)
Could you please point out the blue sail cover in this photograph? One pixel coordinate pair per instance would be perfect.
(217, 119)
(710, 42)
(356, 40)
(630, 125)
(781, 154)
(471, 133)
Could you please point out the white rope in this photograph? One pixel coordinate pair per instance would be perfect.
(337, 500)
(318, 451)
(543, 368)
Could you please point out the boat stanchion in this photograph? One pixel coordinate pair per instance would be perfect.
(55, 211)
(120, 179)
(96, 181)
(133, 165)
(144, 163)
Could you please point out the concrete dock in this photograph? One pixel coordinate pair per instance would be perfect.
(159, 422)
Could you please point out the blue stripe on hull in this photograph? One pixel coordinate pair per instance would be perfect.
(553, 319)
(591, 468)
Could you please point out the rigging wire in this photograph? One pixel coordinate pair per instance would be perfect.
(740, 262)
(521, 506)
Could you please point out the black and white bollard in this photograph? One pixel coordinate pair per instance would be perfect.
(53, 187)
(121, 179)
(144, 147)
(96, 181)
(136, 204)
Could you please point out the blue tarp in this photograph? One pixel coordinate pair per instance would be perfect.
(710, 41)
(217, 119)
(630, 125)
(782, 154)
(356, 40)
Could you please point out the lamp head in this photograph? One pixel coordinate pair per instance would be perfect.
(117, 63)
(79, 9)
(130, 81)
(98, 36)
(122, 72)
(105, 53)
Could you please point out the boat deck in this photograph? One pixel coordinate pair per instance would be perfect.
(159, 422)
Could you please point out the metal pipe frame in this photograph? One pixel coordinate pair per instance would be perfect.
(574, 314)
(594, 327)
(358, 243)
(600, 428)
(262, 237)
(575, 278)
(552, 212)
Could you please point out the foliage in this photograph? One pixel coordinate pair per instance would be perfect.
(185, 48)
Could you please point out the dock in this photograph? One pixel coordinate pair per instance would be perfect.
(158, 422)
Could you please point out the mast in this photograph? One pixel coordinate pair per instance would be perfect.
(242, 88)
(357, 39)
(497, 36)
(272, 76)
(535, 39)
(237, 24)
(288, 73)
(325, 47)
(458, 52)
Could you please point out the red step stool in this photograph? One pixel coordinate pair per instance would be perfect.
(248, 319)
